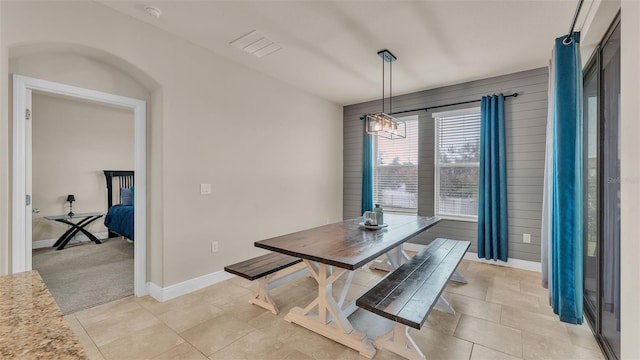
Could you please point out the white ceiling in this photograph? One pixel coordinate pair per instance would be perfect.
(329, 47)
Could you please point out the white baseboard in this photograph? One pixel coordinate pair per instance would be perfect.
(155, 291)
(173, 291)
(514, 263)
(39, 244)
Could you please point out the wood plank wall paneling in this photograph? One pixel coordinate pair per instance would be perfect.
(526, 119)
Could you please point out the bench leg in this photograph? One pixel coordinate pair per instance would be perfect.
(400, 342)
(443, 305)
(262, 298)
(393, 260)
(457, 277)
(266, 283)
(383, 265)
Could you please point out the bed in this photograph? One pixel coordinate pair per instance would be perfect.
(120, 213)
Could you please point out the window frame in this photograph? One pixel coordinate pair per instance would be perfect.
(436, 163)
(405, 117)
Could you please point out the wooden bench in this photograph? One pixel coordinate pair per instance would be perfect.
(408, 294)
(264, 268)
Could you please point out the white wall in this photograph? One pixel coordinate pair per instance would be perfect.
(73, 141)
(630, 184)
(5, 192)
(272, 152)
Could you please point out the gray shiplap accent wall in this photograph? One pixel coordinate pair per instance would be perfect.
(525, 136)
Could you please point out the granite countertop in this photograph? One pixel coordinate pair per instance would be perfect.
(31, 324)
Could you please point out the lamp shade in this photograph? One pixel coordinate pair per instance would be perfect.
(71, 198)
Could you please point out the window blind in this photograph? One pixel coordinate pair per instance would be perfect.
(395, 173)
(457, 157)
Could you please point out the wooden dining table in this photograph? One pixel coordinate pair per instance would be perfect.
(333, 250)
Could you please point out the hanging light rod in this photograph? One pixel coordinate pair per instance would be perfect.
(567, 40)
(387, 56)
(441, 106)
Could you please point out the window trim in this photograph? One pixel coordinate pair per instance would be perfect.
(418, 118)
(436, 165)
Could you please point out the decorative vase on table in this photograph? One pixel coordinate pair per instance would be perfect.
(379, 214)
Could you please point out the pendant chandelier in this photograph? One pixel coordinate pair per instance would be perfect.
(383, 124)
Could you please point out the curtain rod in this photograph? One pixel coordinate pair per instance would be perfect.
(567, 40)
(445, 105)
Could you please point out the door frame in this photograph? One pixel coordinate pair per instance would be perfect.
(21, 243)
(595, 318)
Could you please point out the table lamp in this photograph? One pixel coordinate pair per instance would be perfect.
(71, 199)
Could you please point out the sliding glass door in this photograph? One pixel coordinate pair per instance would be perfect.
(592, 185)
(602, 199)
(610, 240)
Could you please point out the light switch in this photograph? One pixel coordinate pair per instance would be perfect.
(205, 189)
(526, 238)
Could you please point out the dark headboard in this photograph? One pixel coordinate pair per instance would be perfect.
(119, 178)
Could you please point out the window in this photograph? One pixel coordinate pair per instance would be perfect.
(395, 172)
(457, 164)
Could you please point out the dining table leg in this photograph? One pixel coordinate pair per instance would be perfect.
(392, 260)
(325, 316)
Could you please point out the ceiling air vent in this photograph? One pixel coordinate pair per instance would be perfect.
(256, 44)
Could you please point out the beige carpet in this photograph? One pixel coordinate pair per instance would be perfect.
(86, 275)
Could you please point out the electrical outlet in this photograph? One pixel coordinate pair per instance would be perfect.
(526, 238)
(214, 246)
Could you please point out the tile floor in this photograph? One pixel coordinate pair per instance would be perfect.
(502, 313)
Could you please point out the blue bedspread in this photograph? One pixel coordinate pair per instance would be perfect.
(119, 219)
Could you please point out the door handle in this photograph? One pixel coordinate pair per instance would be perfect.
(35, 211)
